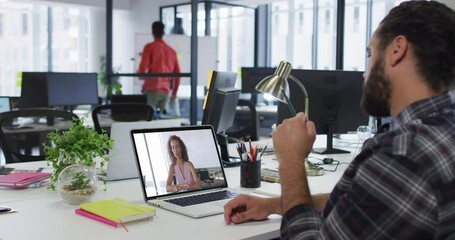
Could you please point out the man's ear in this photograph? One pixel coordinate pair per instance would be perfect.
(399, 47)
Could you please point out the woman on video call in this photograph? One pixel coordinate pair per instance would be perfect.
(184, 171)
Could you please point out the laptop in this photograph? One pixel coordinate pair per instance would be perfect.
(153, 161)
(122, 163)
(5, 104)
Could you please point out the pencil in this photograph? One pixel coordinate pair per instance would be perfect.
(123, 225)
(251, 151)
(263, 150)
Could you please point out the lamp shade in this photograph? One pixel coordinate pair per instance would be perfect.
(276, 84)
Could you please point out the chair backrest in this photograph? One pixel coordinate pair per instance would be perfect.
(121, 112)
(23, 132)
(245, 128)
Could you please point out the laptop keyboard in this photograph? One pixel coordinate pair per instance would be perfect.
(202, 198)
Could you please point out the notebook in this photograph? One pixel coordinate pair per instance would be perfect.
(122, 163)
(153, 159)
(22, 179)
(117, 210)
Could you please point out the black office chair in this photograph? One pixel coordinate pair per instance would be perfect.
(23, 132)
(120, 112)
(205, 177)
(246, 123)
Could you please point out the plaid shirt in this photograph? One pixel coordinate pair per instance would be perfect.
(401, 186)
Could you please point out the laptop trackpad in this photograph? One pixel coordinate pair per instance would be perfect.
(220, 203)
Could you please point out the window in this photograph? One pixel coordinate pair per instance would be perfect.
(300, 25)
(355, 35)
(280, 33)
(293, 37)
(24, 24)
(356, 19)
(327, 21)
(1, 25)
(303, 50)
(326, 37)
(28, 44)
(68, 37)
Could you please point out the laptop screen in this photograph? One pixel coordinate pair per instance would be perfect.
(4, 104)
(175, 160)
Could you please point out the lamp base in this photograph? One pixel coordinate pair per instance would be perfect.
(312, 169)
(329, 151)
(314, 172)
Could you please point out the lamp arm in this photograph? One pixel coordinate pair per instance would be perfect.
(307, 101)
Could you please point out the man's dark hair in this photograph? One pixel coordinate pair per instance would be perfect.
(158, 29)
(430, 28)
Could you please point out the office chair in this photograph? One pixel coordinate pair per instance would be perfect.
(23, 132)
(205, 177)
(245, 128)
(120, 112)
(129, 98)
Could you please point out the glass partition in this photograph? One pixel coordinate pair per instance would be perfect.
(231, 25)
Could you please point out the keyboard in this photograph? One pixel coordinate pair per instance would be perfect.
(202, 198)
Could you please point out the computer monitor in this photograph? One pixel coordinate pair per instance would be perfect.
(51, 89)
(219, 109)
(33, 90)
(72, 89)
(334, 102)
(251, 76)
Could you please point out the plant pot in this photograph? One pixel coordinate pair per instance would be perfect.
(77, 183)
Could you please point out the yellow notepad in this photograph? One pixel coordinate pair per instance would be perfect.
(119, 210)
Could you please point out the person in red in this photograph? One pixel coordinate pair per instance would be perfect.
(158, 57)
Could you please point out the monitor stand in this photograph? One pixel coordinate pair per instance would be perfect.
(227, 160)
(329, 149)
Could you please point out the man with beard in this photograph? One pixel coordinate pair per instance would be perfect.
(402, 184)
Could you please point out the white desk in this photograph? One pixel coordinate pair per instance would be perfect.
(43, 215)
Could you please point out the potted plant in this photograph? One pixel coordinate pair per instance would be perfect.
(107, 89)
(78, 147)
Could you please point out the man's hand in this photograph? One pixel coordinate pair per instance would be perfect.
(294, 138)
(246, 207)
(293, 141)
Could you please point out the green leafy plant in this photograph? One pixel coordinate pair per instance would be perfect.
(115, 88)
(80, 181)
(79, 145)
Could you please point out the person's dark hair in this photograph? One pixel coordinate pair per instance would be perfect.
(429, 27)
(158, 29)
(182, 147)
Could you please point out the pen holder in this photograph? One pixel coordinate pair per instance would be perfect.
(250, 174)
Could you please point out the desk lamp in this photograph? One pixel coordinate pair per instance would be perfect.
(277, 86)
